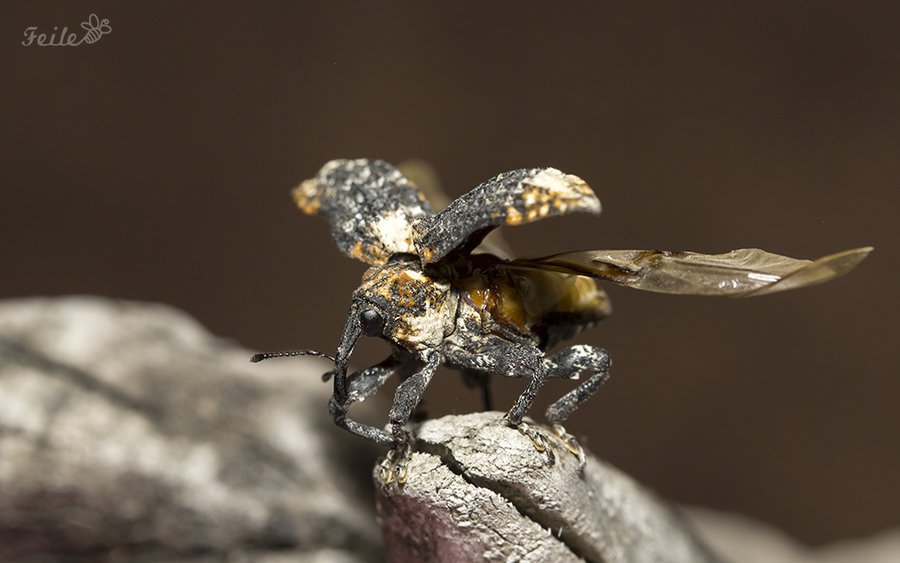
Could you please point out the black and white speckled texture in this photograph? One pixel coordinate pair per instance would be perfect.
(511, 198)
(369, 204)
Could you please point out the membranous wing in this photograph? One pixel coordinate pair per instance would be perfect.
(745, 272)
(512, 198)
(369, 204)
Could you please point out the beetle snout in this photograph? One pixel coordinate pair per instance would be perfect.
(352, 331)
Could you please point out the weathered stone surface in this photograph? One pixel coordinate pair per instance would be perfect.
(478, 489)
(128, 429)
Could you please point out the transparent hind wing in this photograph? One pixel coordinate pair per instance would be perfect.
(745, 272)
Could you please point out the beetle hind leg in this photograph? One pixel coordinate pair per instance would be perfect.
(533, 363)
(567, 364)
(570, 442)
(541, 444)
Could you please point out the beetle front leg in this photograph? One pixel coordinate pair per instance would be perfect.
(361, 385)
(377, 435)
(406, 398)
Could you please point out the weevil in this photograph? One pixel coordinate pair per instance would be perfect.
(440, 294)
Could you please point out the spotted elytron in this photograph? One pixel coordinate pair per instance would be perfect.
(442, 294)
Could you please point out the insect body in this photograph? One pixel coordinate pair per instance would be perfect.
(438, 298)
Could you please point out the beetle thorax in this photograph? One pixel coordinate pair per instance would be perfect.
(418, 309)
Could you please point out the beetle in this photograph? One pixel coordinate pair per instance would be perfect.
(441, 293)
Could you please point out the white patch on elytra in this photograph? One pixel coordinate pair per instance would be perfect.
(393, 230)
(566, 186)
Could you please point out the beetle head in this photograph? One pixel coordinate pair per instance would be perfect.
(397, 301)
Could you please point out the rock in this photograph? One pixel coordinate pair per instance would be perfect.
(479, 490)
(126, 429)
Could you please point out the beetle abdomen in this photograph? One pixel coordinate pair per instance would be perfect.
(525, 300)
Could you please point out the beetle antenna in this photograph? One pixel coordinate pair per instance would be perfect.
(267, 355)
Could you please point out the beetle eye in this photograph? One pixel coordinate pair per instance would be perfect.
(372, 322)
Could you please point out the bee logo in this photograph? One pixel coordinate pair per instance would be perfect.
(96, 28)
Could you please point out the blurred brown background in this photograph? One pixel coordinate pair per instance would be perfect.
(155, 165)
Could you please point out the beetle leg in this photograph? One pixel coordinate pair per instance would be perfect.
(570, 442)
(526, 399)
(502, 357)
(377, 435)
(537, 438)
(360, 386)
(511, 359)
(394, 468)
(523, 403)
(408, 395)
(364, 383)
(568, 363)
(525, 361)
